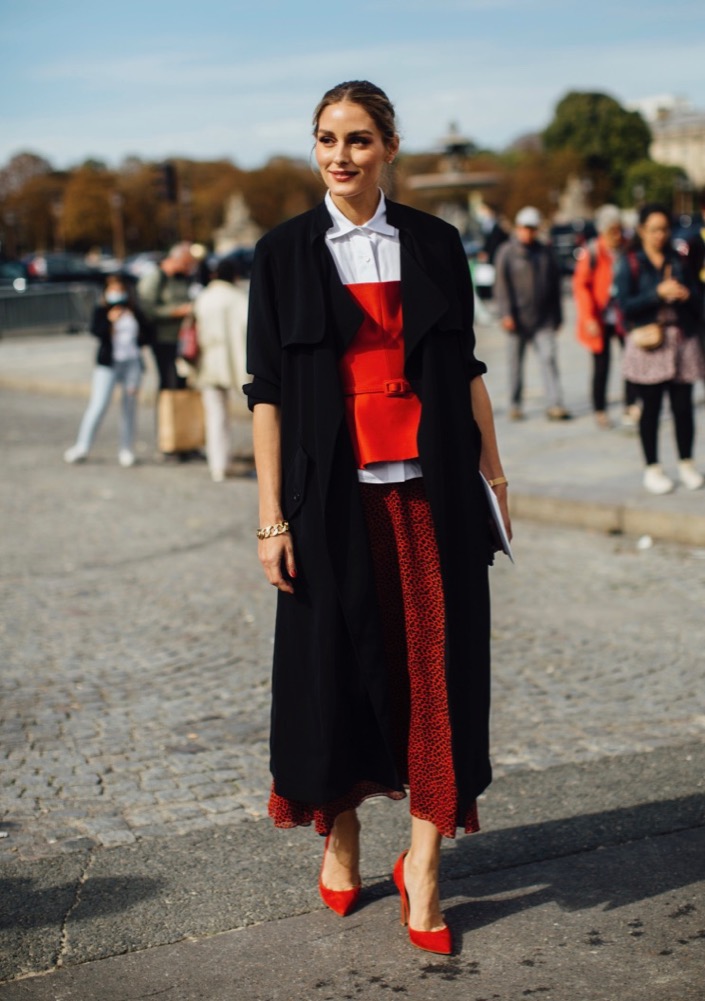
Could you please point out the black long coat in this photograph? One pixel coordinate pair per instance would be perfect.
(330, 716)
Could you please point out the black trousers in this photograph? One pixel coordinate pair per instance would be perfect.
(601, 373)
(165, 358)
(681, 398)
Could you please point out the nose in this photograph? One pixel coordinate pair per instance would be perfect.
(341, 153)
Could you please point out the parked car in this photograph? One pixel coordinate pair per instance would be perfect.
(13, 274)
(61, 267)
(242, 258)
(567, 240)
(137, 265)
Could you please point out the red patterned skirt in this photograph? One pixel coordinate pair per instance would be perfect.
(410, 593)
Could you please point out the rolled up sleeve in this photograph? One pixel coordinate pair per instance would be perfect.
(263, 333)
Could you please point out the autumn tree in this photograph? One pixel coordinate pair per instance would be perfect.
(86, 208)
(281, 189)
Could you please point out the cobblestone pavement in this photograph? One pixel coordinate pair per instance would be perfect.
(136, 638)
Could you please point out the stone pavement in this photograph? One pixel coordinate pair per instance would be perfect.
(135, 646)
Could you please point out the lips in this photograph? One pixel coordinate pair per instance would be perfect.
(343, 175)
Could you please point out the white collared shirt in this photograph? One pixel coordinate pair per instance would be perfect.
(369, 253)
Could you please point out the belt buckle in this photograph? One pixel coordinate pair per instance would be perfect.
(396, 387)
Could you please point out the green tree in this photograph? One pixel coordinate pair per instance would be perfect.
(647, 181)
(607, 137)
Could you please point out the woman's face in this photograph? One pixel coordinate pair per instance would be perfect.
(351, 151)
(655, 232)
(613, 236)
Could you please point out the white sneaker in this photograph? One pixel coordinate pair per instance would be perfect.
(75, 454)
(689, 476)
(656, 481)
(126, 458)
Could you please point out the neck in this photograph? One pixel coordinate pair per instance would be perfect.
(655, 256)
(360, 209)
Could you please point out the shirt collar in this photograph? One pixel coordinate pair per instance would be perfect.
(342, 225)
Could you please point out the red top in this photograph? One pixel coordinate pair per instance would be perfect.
(381, 409)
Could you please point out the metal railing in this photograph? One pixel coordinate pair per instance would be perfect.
(62, 307)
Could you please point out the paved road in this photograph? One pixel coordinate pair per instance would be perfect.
(135, 644)
(138, 631)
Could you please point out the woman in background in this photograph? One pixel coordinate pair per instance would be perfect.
(122, 331)
(653, 288)
(595, 295)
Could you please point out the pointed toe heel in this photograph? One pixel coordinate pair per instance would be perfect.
(340, 901)
(440, 941)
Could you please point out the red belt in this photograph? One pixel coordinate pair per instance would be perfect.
(392, 387)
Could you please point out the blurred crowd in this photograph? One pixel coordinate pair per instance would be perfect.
(638, 294)
(192, 315)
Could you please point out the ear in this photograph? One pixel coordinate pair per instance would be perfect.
(392, 148)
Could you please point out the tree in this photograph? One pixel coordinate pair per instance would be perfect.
(86, 209)
(20, 169)
(607, 137)
(647, 181)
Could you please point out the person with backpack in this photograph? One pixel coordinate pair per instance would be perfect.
(598, 316)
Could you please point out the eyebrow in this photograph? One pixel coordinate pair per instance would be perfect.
(353, 132)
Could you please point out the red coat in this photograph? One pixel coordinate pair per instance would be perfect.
(592, 286)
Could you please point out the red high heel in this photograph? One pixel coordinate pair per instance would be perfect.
(439, 941)
(340, 901)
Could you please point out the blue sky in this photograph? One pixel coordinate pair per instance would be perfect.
(84, 78)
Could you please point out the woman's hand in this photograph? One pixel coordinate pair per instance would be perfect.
(503, 501)
(277, 558)
(114, 313)
(671, 290)
(593, 328)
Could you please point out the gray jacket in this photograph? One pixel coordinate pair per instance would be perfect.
(158, 293)
(528, 286)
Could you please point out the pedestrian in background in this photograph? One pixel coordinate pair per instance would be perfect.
(655, 290)
(528, 298)
(122, 330)
(165, 294)
(221, 318)
(598, 325)
(371, 425)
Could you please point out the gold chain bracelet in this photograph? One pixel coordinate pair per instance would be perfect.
(269, 531)
(498, 481)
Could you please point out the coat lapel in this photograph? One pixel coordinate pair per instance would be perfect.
(423, 302)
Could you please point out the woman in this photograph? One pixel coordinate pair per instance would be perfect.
(122, 331)
(361, 348)
(653, 289)
(221, 314)
(595, 299)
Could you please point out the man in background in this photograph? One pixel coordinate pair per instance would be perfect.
(528, 299)
(165, 297)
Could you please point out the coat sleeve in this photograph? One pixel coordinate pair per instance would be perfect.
(264, 350)
(466, 295)
(502, 291)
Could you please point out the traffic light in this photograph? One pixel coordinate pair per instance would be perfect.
(167, 182)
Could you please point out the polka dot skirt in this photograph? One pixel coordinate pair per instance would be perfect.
(410, 593)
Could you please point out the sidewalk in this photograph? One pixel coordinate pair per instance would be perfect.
(568, 473)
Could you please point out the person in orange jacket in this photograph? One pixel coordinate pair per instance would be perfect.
(598, 316)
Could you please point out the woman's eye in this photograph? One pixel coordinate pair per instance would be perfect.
(325, 140)
(359, 140)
